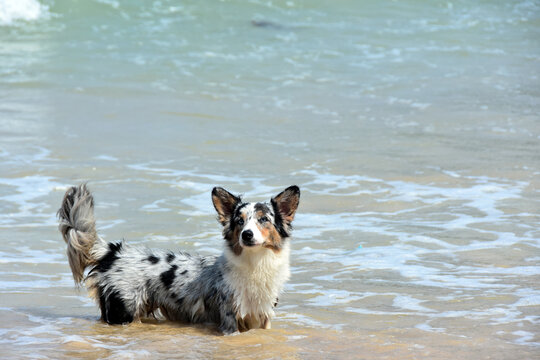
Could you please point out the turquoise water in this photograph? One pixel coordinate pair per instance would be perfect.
(411, 127)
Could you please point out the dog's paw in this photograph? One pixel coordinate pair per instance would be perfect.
(228, 328)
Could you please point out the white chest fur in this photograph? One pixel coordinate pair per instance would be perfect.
(257, 277)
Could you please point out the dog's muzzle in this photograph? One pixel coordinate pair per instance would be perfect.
(247, 238)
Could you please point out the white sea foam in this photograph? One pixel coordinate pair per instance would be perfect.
(305, 320)
(408, 253)
(409, 303)
(112, 3)
(330, 297)
(106, 158)
(26, 255)
(30, 212)
(525, 338)
(426, 327)
(12, 11)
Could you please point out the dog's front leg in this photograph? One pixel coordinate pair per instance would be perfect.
(228, 323)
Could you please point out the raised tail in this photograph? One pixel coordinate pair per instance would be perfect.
(78, 228)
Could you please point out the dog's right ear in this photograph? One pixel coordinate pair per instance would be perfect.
(225, 203)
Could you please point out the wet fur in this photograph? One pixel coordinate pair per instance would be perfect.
(237, 291)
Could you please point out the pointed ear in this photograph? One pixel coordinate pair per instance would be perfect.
(287, 202)
(225, 203)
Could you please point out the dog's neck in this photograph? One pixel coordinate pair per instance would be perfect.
(256, 278)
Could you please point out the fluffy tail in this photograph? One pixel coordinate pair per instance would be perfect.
(78, 228)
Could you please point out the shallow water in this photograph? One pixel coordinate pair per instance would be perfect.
(412, 129)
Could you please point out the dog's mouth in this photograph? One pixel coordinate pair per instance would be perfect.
(248, 240)
(249, 244)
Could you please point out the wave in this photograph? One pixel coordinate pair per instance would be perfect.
(14, 11)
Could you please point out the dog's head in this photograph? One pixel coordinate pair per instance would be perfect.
(256, 225)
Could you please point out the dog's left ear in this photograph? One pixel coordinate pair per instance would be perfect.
(286, 202)
(225, 203)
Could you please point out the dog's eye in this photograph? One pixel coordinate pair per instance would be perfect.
(240, 221)
(263, 219)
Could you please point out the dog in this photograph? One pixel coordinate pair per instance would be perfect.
(236, 291)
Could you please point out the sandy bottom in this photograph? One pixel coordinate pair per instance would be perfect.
(91, 339)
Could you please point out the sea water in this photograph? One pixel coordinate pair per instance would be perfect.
(411, 127)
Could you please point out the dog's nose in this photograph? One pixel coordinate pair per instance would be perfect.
(247, 236)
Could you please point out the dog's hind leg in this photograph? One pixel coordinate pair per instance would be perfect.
(114, 309)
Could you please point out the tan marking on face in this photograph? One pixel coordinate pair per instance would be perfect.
(272, 239)
(265, 232)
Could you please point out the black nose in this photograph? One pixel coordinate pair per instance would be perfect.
(247, 236)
